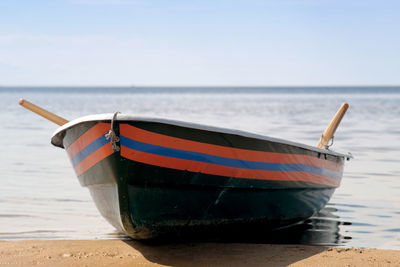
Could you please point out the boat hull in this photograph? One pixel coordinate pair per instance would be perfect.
(173, 180)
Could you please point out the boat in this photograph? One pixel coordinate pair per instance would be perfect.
(153, 177)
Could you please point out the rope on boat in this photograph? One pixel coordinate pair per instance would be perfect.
(111, 134)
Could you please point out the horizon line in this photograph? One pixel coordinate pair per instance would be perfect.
(198, 86)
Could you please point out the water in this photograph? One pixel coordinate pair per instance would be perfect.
(40, 197)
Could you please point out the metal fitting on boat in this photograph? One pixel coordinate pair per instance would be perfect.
(112, 136)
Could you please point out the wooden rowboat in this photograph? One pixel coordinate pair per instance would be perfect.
(153, 177)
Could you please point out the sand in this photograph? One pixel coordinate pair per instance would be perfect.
(132, 253)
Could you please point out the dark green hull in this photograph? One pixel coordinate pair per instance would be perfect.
(142, 197)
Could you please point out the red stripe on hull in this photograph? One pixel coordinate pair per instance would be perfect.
(93, 158)
(87, 138)
(213, 169)
(227, 152)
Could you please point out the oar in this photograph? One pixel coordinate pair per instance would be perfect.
(330, 130)
(42, 112)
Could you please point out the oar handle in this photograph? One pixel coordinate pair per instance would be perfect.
(42, 112)
(330, 130)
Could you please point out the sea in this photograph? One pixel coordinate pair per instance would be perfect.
(41, 198)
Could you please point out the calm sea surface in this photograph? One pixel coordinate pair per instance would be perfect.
(40, 197)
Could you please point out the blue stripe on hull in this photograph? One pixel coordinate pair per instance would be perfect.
(201, 157)
(92, 147)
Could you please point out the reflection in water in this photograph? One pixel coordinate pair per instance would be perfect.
(321, 229)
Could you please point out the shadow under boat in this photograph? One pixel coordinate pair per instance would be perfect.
(250, 247)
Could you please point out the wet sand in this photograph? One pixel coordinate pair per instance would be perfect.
(131, 253)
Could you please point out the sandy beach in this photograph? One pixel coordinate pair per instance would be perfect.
(132, 253)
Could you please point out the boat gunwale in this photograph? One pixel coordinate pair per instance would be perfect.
(57, 136)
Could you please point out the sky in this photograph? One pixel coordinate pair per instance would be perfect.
(199, 42)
